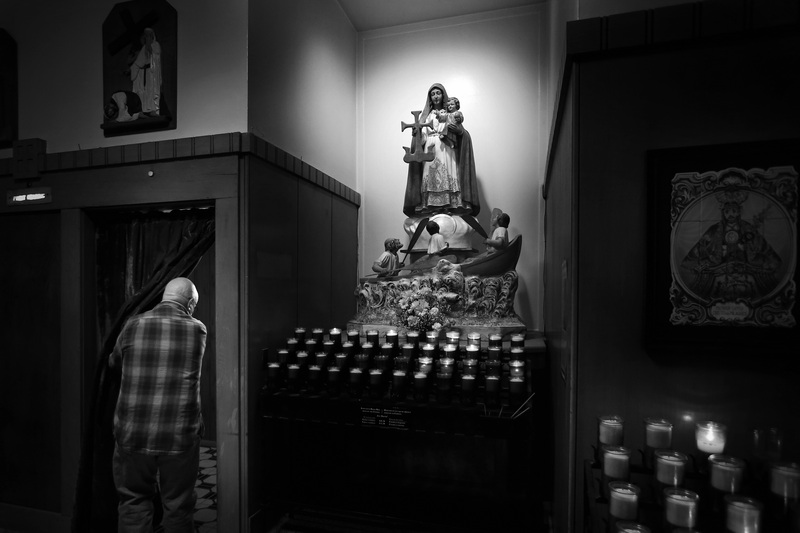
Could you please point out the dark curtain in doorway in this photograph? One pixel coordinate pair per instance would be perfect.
(137, 254)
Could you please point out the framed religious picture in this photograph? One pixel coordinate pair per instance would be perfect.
(140, 68)
(723, 243)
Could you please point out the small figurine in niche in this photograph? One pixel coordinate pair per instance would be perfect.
(388, 260)
(450, 115)
(145, 73)
(123, 106)
(499, 238)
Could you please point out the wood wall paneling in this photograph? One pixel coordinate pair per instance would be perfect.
(30, 367)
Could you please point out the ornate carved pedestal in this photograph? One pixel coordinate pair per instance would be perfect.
(480, 304)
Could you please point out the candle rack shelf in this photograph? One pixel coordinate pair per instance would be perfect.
(448, 460)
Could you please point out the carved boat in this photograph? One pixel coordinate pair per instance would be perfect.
(494, 264)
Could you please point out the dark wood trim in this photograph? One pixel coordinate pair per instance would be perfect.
(189, 148)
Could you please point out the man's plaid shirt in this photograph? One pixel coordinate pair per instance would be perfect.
(158, 410)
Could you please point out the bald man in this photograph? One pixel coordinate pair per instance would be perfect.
(157, 421)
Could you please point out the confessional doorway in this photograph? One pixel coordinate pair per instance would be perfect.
(136, 251)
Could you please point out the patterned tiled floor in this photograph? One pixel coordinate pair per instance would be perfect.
(205, 509)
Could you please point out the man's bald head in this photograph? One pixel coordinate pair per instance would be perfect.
(182, 291)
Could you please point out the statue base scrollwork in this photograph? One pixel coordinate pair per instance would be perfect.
(476, 303)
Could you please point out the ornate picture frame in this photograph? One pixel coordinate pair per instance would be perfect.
(723, 248)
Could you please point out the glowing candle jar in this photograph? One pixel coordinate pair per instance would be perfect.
(392, 338)
(474, 339)
(710, 437)
(453, 337)
(681, 507)
(353, 336)
(742, 514)
(300, 334)
(335, 335)
(517, 341)
(610, 430)
(318, 334)
(623, 500)
(495, 340)
(516, 369)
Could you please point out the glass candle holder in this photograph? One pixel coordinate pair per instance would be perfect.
(328, 346)
(616, 463)
(516, 368)
(468, 387)
(670, 469)
(626, 526)
(392, 338)
(318, 334)
(425, 364)
(341, 360)
(292, 345)
(311, 346)
(681, 507)
(372, 336)
(623, 500)
(453, 337)
(408, 350)
(398, 384)
(335, 334)
(283, 356)
(610, 431)
(300, 333)
(474, 339)
(302, 358)
(725, 473)
(432, 337)
(314, 377)
(412, 337)
(517, 341)
(472, 351)
(494, 353)
(516, 390)
(495, 340)
(742, 514)
(469, 367)
(710, 437)
(376, 383)
(429, 350)
(492, 391)
(421, 387)
(353, 336)
(444, 382)
(657, 436)
(356, 381)
(450, 351)
(783, 501)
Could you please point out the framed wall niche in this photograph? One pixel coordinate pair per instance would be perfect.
(140, 53)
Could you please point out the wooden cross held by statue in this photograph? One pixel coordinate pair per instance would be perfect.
(417, 153)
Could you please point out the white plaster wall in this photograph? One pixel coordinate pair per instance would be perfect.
(303, 82)
(62, 42)
(493, 62)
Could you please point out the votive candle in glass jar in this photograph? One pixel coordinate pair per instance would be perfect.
(372, 336)
(626, 526)
(681, 507)
(610, 430)
(616, 464)
(453, 337)
(623, 500)
(517, 341)
(726, 473)
(516, 369)
(742, 514)
(783, 502)
(474, 339)
(670, 468)
(710, 437)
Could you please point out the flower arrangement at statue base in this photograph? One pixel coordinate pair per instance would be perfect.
(421, 309)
